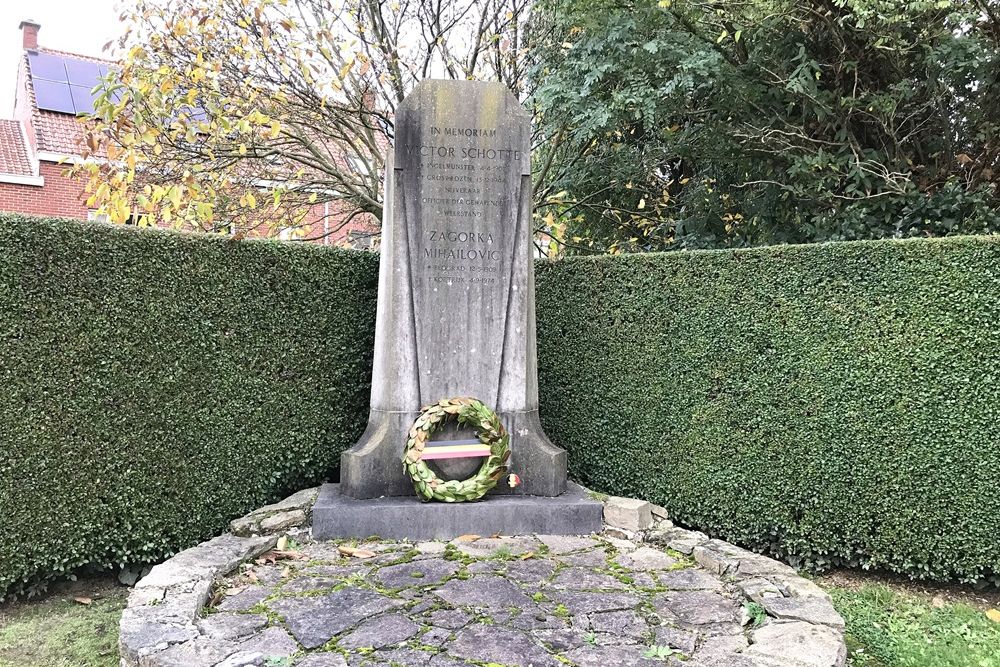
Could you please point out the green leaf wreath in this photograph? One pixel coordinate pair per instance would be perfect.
(489, 429)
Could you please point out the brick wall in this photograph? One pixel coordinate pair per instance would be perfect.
(64, 197)
(60, 196)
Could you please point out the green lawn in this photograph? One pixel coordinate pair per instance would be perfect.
(894, 627)
(57, 631)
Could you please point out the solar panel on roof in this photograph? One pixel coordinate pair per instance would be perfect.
(54, 96)
(82, 99)
(47, 66)
(82, 73)
(63, 84)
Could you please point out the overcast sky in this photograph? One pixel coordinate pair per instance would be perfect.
(79, 26)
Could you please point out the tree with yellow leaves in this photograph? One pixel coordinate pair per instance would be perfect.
(241, 115)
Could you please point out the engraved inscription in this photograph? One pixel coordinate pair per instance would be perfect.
(463, 189)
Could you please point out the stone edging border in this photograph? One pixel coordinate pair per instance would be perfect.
(164, 606)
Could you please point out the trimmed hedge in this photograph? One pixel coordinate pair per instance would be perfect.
(826, 403)
(830, 404)
(156, 385)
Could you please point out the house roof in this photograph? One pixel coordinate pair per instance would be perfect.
(56, 132)
(14, 158)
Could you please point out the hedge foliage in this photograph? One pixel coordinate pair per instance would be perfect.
(156, 385)
(833, 404)
(826, 403)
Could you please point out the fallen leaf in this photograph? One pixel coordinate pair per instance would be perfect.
(286, 572)
(235, 590)
(352, 552)
(282, 543)
(527, 554)
(83, 600)
(993, 615)
(466, 538)
(274, 555)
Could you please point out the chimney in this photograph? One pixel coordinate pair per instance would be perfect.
(29, 34)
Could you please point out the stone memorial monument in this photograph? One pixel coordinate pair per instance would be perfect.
(455, 318)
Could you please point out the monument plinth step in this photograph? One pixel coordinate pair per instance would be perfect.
(406, 517)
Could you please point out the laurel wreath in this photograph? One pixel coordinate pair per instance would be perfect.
(489, 429)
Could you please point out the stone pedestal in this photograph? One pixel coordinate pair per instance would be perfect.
(336, 515)
(456, 308)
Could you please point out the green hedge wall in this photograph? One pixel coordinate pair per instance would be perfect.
(155, 385)
(826, 403)
(829, 403)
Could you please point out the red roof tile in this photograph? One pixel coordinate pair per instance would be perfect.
(13, 153)
(58, 132)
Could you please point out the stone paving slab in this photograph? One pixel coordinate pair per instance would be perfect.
(534, 600)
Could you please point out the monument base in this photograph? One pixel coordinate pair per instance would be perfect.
(406, 517)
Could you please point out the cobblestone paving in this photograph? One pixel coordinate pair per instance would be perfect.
(545, 601)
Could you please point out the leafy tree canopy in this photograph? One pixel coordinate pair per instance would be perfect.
(690, 123)
(241, 114)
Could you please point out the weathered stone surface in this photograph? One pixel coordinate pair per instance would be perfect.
(243, 659)
(307, 584)
(624, 623)
(540, 606)
(435, 637)
(533, 571)
(500, 645)
(431, 548)
(592, 558)
(810, 610)
(200, 652)
(273, 642)
(336, 515)
(468, 255)
(141, 637)
(452, 619)
(387, 630)
(689, 579)
(295, 508)
(723, 558)
(245, 599)
(231, 626)
(678, 539)
(796, 586)
(697, 607)
(604, 656)
(628, 513)
(645, 559)
(491, 546)
(421, 572)
(799, 644)
(560, 544)
(402, 656)
(209, 559)
(659, 513)
(316, 620)
(322, 660)
(484, 590)
(676, 638)
(279, 523)
(588, 603)
(580, 579)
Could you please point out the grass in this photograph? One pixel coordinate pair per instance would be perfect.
(56, 631)
(892, 626)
